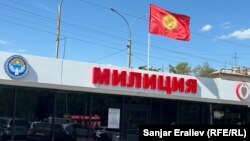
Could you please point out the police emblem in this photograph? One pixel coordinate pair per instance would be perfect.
(242, 91)
(16, 67)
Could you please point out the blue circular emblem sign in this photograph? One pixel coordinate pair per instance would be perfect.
(16, 67)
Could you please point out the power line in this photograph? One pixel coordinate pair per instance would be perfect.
(107, 56)
(72, 25)
(64, 22)
(225, 41)
(139, 59)
(28, 12)
(42, 25)
(28, 26)
(103, 33)
(67, 37)
(33, 28)
(110, 46)
(94, 4)
(70, 17)
(19, 19)
(187, 54)
(224, 8)
(107, 8)
(202, 35)
(27, 5)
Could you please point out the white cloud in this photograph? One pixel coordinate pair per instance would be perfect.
(225, 25)
(2, 42)
(17, 50)
(238, 34)
(206, 27)
(48, 9)
(21, 50)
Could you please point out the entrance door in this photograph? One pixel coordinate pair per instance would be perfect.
(135, 116)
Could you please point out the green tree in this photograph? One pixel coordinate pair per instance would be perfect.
(180, 68)
(203, 71)
(151, 68)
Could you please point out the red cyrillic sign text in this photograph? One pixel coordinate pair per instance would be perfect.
(139, 80)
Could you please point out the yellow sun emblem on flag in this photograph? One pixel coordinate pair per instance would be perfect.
(169, 22)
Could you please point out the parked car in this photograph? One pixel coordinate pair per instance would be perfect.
(100, 130)
(42, 131)
(59, 120)
(132, 134)
(80, 131)
(2, 134)
(108, 134)
(21, 128)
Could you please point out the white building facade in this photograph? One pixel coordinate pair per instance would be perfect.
(142, 96)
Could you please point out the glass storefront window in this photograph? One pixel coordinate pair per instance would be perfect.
(101, 104)
(229, 114)
(6, 101)
(248, 115)
(189, 113)
(34, 104)
(91, 110)
(132, 100)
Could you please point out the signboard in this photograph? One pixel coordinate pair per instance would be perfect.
(131, 80)
(114, 118)
(243, 91)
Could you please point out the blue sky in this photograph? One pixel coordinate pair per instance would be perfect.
(94, 33)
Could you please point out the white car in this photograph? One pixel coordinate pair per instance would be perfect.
(108, 134)
(99, 131)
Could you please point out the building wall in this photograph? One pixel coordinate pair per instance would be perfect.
(72, 75)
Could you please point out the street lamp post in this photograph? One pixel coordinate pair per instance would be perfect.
(129, 46)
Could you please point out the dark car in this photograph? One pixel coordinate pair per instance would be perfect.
(42, 131)
(80, 131)
(21, 128)
(2, 134)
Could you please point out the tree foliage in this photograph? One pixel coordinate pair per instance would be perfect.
(203, 71)
(180, 68)
(151, 68)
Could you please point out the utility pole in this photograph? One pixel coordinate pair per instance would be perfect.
(235, 57)
(57, 51)
(58, 28)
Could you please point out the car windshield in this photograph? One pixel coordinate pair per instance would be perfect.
(45, 126)
(59, 120)
(101, 128)
(20, 122)
(81, 130)
(78, 126)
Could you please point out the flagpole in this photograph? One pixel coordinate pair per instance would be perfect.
(148, 49)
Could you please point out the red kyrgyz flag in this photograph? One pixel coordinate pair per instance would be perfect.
(165, 23)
